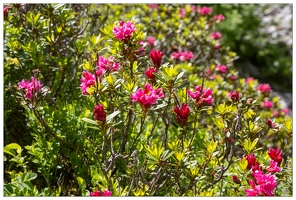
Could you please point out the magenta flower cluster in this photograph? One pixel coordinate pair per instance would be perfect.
(219, 17)
(104, 64)
(205, 10)
(204, 97)
(87, 81)
(31, 87)
(124, 31)
(98, 193)
(264, 88)
(216, 36)
(148, 96)
(186, 55)
(267, 104)
(150, 40)
(263, 184)
(221, 68)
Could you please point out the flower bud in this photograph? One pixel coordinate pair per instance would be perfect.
(236, 179)
(150, 73)
(182, 114)
(156, 56)
(276, 155)
(99, 113)
(249, 101)
(234, 95)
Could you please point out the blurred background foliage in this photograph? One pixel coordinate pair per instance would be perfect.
(261, 35)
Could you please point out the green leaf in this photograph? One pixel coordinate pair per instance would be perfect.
(211, 146)
(160, 106)
(27, 185)
(93, 127)
(32, 176)
(82, 185)
(10, 151)
(249, 146)
(7, 148)
(8, 188)
(166, 155)
(111, 116)
(183, 84)
(90, 121)
(243, 163)
(222, 109)
(161, 78)
(135, 66)
(36, 18)
(179, 76)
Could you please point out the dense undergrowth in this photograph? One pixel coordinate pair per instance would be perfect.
(135, 100)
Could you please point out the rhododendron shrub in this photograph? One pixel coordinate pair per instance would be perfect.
(165, 118)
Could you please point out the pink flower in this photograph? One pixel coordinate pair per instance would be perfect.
(273, 167)
(104, 64)
(99, 193)
(31, 87)
(276, 155)
(221, 68)
(124, 31)
(176, 55)
(107, 193)
(275, 113)
(150, 73)
(252, 192)
(285, 111)
(182, 114)
(87, 81)
(264, 88)
(265, 185)
(153, 6)
(148, 96)
(217, 47)
(150, 40)
(267, 104)
(96, 194)
(232, 77)
(182, 12)
(186, 55)
(250, 79)
(193, 8)
(204, 10)
(99, 113)
(156, 56)
(205, 97)
(219, 17)
(5, 10)
(234, 95)
(216, 36)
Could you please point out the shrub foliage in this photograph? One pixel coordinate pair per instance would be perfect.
(135, 100)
